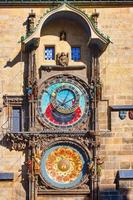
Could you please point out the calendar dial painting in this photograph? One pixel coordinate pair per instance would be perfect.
(63, 102)
(63, 166)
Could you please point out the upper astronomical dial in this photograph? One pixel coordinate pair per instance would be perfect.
(63, 102)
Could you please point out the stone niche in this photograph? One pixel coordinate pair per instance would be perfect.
(75, 37)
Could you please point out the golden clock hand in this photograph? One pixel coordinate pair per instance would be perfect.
(62, 104)
(66, 96)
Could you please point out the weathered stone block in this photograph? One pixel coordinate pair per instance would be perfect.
(127, 140)
(125, 165)
(115, 70)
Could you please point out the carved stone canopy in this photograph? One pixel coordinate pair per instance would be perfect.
(20, 141)
(95, 38)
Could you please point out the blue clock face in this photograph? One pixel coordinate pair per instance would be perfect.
(63, 102)
(65, 99)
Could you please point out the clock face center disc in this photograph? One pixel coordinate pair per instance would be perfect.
(64, 165)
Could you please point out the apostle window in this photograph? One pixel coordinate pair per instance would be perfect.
(49, 52)
(76, 53)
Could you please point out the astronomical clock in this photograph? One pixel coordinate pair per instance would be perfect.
(63, 109)
(63, 102)
(63, 166)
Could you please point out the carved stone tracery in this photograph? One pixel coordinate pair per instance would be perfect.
(17, 142)
(43, 139)
(13, 100)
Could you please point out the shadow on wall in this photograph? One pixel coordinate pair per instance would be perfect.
(122, 194)
(23, 169)
(121, 190)
(18, 58)
(24, 175)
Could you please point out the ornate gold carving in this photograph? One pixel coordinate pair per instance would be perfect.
(37, 159)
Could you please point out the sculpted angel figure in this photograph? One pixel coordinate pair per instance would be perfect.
(62, 59)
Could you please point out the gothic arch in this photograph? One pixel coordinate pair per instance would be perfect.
(95, 38)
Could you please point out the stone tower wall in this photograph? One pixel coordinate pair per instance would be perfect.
(116, 72)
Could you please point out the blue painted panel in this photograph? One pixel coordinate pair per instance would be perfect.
(124, 107)
(49, 53)
(122, 114)
(6, 176)
(75, 53)
(126, 174)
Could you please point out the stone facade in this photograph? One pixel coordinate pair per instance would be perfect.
(116, 74)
